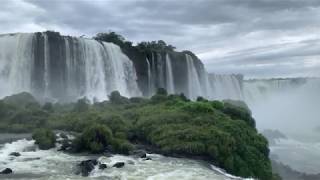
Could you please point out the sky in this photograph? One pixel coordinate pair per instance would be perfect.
(257, 38)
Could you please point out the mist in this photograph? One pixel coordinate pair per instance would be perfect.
(291, 108)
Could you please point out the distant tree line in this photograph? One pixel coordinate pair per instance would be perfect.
(143, 46)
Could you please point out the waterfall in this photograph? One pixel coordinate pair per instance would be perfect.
(67, 68)
(194, 85)
(150, 79)
(169, 76)
(16, 63)
(257, 90)
(46, 65)
(123, 73)
(160, 71)
(226, 87)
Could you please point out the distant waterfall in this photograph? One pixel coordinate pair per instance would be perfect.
(259, 90)
(169, 76)
(64, 68)
(226, 87)
(194, 85)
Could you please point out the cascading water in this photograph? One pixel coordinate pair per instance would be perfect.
(150, 79)
(194, 85)
(16, 63)
(226, 86)
(160, 71)
(169, 76)
(46, 77)
(64, 68)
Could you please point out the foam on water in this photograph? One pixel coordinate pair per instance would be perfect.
(56, 165)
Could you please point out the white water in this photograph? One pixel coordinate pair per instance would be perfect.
(194, 85)
(150, 79)
(55, 165)
(16, 61)
(225, 87)
(169, 76)
(92, 69)
(46, 65)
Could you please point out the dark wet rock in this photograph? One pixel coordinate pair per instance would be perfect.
(118, 164)
(139, 153)
(15, 154)
(148, 158)
(85, 167)
(65, 145)
(6, 171)
(63, 136)
(103, 166)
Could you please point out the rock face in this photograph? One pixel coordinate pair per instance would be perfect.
(85, 167)
(6, 171)
(174, 71)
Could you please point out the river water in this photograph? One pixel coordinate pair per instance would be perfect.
(56, 165)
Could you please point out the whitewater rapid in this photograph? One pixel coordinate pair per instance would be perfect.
(56, 165)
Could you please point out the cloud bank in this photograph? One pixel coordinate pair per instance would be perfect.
(258, 38)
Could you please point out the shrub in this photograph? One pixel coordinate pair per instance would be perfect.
(82, 105)
(239, 112)
(198, 107)
(94, 139)
(116, 98)
(217, 105)
(121, 146)
(44, 138)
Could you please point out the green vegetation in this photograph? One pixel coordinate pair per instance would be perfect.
(44, 138)
(222, 132)
(119, 40)
(94, 138)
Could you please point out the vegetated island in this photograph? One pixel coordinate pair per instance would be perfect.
(220, 132)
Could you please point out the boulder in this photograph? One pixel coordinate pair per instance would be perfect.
(103, 166)
(139, 153)
(85, 167)
(63, 136)
(148, 158)
(118, 164)
(15, 154)
(6, 171)
(66, 145)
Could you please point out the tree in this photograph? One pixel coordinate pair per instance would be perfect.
(113, 37)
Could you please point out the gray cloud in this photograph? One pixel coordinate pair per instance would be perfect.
(254, 37)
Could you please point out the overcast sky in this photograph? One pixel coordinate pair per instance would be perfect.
(258, 38)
